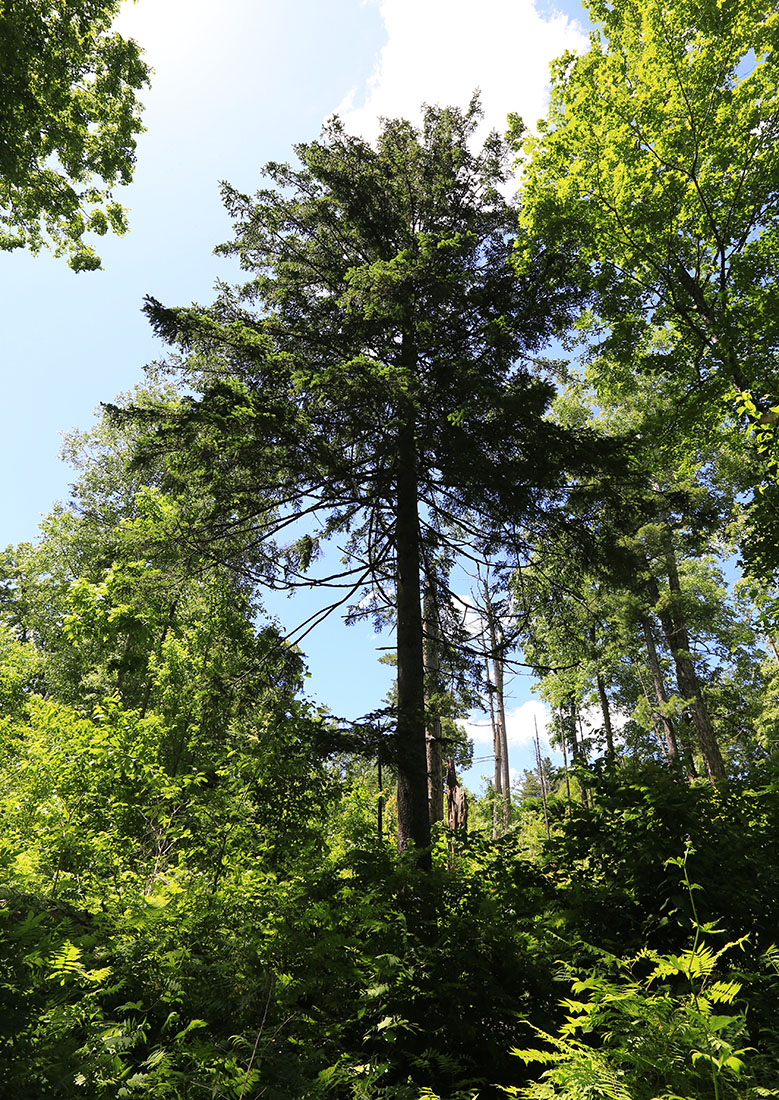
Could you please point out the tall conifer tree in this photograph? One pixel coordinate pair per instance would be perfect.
(370, 379)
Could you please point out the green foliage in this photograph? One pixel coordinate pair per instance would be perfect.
(635, 620)
(656, 172)
(20, 663)
(430, 325)
(68, 116)
(198, 890)
(653, 1027)
(663, 132)
(609, 858)
(370, 381)
(243, 927)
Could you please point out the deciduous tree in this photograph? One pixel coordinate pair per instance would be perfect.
(69, 116)
(658, 170)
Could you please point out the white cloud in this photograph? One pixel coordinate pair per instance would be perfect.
(521, 731)
(521, 724)
(439, 51)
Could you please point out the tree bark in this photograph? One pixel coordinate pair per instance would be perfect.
(497, 774)
(456, 799)
(500, 708)
(564, 740)
(541, 779)
(435, 763)
(456, 810)
(661, 740)
(604, 703)
(502, 779)
(605, 711)
(413, 815)
(380, 804)
(675, 628)
(672, 749)
(576, 720)
(571, 725)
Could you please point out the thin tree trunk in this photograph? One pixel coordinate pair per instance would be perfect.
(497, 664)
(565, 761)
(672, 750)
(456, 799)
(413, 814)
(497, 744)
(502, 774)
(497, 773)
(577, 718)
(502, 782)
(571, 721)
(435, 765)
(380, 805)
(499, 794)
(604, 702)
(541, 779)
(685, 745)
(607, 728)
(456, 809)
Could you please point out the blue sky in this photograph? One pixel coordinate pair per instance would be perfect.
(235, 85)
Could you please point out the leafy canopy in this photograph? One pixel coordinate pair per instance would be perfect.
(68, 119)
(659, 167)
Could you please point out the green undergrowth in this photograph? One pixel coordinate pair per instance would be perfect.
(238, 930)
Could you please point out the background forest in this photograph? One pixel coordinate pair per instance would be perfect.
(211, 885)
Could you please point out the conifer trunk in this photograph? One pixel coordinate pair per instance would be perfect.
(413, 815)
(497, 758)
(500, 713)
(571, 725)
(564, 742)
(495, 687)
(435, 763)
